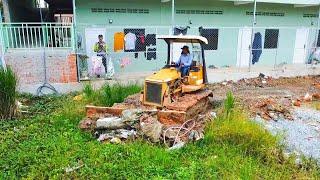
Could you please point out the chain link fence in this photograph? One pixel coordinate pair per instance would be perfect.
(136, 49)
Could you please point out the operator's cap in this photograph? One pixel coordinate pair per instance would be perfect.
(185, 47)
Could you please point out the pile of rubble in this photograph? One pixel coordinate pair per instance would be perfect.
(270, 109)
(271, 98)
(119, 125)
(274, 108)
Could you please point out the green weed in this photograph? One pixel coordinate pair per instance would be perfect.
(229, 105)
(110, 94)
(8, 94)
(43, 146)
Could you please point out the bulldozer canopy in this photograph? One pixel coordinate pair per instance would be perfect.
(183, 39)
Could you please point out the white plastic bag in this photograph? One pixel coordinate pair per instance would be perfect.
(316, 54)
(110, 68)
(98, 68)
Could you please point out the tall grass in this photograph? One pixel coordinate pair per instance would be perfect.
(229, 105)
(110, 94)
(8, 94)
(233, 127)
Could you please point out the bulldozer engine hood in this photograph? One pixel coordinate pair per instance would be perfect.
(165, 75)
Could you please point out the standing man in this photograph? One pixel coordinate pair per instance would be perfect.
(101, 49)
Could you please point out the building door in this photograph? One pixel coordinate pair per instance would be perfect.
(300, 50)
(176, 51)
(243, 51)
(91, 37)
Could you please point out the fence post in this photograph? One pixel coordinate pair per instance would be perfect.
(3, 63)
(276, 55)
(318, 28)
(73, 41)
(252, 32)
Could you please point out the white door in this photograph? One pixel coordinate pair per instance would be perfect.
(244, 42)
(300, 50)
(176, 51)
(91, 36)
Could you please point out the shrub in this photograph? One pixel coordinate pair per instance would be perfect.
(8, 94)
(110, 94)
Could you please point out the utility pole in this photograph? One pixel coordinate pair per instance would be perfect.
(254, 21)
(172, 16)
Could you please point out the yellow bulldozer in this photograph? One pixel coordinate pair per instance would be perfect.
(176, 99)
(169, 91)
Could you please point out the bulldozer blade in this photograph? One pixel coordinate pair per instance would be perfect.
(186, 107)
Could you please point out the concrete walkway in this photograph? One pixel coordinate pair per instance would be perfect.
(214, 75)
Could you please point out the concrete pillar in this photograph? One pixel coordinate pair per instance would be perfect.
(6, 11)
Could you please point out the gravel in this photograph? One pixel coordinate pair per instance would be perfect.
(300, 136)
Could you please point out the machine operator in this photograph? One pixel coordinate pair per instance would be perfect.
(184, 61)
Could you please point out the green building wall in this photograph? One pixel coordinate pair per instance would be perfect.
(233, 18)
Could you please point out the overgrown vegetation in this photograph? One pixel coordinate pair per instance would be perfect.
(43, 146)
(108, 95)
(234, 128)
(8, 94)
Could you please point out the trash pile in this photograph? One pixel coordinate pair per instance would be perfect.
(130, 124)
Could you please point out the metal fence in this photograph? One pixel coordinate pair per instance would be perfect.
(37, 35)
(237, 47)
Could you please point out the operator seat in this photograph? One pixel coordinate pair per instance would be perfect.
(194, 67)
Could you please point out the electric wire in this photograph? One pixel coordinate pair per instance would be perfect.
(46, 84)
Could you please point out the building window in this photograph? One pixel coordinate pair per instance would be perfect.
(212, 36)
(310, 15)
(271, 38)
(260, 13)
(198, 11)
(120, 10)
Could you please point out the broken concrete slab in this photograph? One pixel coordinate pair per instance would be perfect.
(111, 123)
(151, 128)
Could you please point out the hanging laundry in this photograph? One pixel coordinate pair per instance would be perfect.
(118, 41)
(125, 62)
(151, 40)
(141, 42)
(110, 69)
(181, 30)
(98, 69)
(256, 47)
(314, 56)
(130, 41)
(151, 54)
(142, 38)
